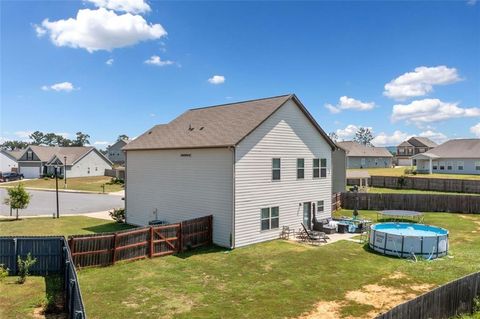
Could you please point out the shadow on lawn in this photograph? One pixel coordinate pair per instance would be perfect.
(108, 227)
(202, 251)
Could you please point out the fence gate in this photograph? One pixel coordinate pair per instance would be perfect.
(165, 240)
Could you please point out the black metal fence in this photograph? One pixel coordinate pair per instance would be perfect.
(447, 301)
(53, 257)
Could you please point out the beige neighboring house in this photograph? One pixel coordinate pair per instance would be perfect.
(8, 161)
(79, 161)
(115, 153)
(256, 166)
(361, 156)
(413, 146)
(460, 156)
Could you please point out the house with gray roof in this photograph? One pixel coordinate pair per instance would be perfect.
(115, 153)
(78, 161)
(413, 146)
(256, 166)
(362, 156)
(460, 156)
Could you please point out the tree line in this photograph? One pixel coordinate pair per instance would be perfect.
(47, 139)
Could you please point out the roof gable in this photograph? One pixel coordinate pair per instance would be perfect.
(460, 148)
(419, 141)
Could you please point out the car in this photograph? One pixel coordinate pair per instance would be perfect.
(8, 177)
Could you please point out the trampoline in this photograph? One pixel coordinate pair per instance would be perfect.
(398, 215)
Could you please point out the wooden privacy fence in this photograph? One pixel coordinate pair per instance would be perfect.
(447, 301)
(418, 202)
(423, 183)
(152, 241)
(115, 172)
(336, 201)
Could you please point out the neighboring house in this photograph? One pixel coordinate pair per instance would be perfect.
(36, 161)
(115, 153)
(339, 170)
(460, 156)
(256, 166)
(413, 146)
(8, 161)
(361, 156)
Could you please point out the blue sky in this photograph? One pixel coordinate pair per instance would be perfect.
(402, 68)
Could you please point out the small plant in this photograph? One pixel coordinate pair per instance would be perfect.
(118, 215)
(401, 181)
(3, 272)
(476, 304)
(24, 267)
(116, 181)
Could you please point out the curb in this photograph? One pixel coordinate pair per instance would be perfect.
(64, 190)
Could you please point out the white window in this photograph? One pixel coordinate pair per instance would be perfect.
(460, 165)
(442, 166)
(29, 156)
(449, 166)
(300, 168)
(316, 168)
(276, 166)
(320, 206)
(477, 165)
(323, 168)
(269, 218)
(434, 165)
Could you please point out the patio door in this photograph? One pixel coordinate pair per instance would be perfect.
(307, 215)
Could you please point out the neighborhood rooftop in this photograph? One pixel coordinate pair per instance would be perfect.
(215, 126)
(46, 153)
(356, 149)
(460, 148)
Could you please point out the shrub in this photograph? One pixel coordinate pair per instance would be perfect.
(116, 181)
(3, 272)
(408, 171)
(24, 267)
(118, 215)
(401, 181)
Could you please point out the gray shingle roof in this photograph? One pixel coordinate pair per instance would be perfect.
(461, 148)
(46, 153)
(356, 149)
(215, 126)
(419, 141)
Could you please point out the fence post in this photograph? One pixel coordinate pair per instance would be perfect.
(72, 298)
(180, 237)
(210, 230)
(114, 255)
(150, 253)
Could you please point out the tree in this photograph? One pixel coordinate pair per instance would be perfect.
(13, 145)
(81, 139)
(364, 136)
(122, 137)
(333, 136)
(37, 138)
(18, 198)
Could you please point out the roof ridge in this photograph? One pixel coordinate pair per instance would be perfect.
(240, 102)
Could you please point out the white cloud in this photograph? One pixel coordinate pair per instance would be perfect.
(348, 103)
(156, 60)
(420, 82)
(476, 130)
(63, 86)
(383, 139)
(109, 62)
(23, 135)
(434, 136)
(430, 110)
(217, 79)
(348, 133)
(100, 29)
(101, 143)
(132, 6)
(471, 2)
(39, 30)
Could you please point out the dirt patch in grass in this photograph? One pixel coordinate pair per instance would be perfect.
(397, 275)
(379, 297)
(39, 313)
(325, 310)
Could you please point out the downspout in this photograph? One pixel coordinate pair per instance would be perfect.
(232, 244)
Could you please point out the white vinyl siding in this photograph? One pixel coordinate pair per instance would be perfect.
(288, 135)
(93, 164)
(459, 166)
(165, 185)
(7, 163)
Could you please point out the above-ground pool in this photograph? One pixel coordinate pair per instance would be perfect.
(406, 239)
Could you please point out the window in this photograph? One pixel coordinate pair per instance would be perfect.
(363, 161)
(460, 165)
(300, 168)
(270, 218)
(29, 156)
(276, 164)
(449, 166)
(320, 206)
(477, 165)
(316, 168)
(435, 165)
(323, 167)
(442, 166)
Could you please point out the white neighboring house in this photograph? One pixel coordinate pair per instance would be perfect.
(115, 153)
(79, 161)
(256, 166)
(361, 156)
(461, 156)
(8, 161)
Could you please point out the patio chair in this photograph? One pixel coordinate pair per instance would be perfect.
(313, 236)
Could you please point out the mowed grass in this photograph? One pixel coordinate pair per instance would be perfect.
(64, 226)
(28, 300)
(277, 279)
(91, 184)
(399, 171)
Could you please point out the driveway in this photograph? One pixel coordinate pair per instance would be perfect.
(44, 203)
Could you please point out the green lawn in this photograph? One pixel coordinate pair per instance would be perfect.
(65, 226)
(399, 171)
(29, 299)
(277, 279)
(92, 184)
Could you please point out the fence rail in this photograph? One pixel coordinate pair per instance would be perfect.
(152, 241)
(446, 301)
(419, 202)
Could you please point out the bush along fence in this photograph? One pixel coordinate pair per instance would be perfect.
(53, 257)
(418, 202)
(152, 241)
(447, 301)
(423, 183)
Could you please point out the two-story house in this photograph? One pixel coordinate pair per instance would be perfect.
(413, 146)
(115, 153)
(256, 166)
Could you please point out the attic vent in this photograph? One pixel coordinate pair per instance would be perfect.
(149, 132)
(201, 128)
(186, 155)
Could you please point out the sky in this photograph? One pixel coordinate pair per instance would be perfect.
(111, 67)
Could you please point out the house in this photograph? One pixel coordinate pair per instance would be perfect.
(8, 161)
(460, 156)
(115, 153)
(413, 146)
(256, 166)
(79, 161)
(361, 156)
